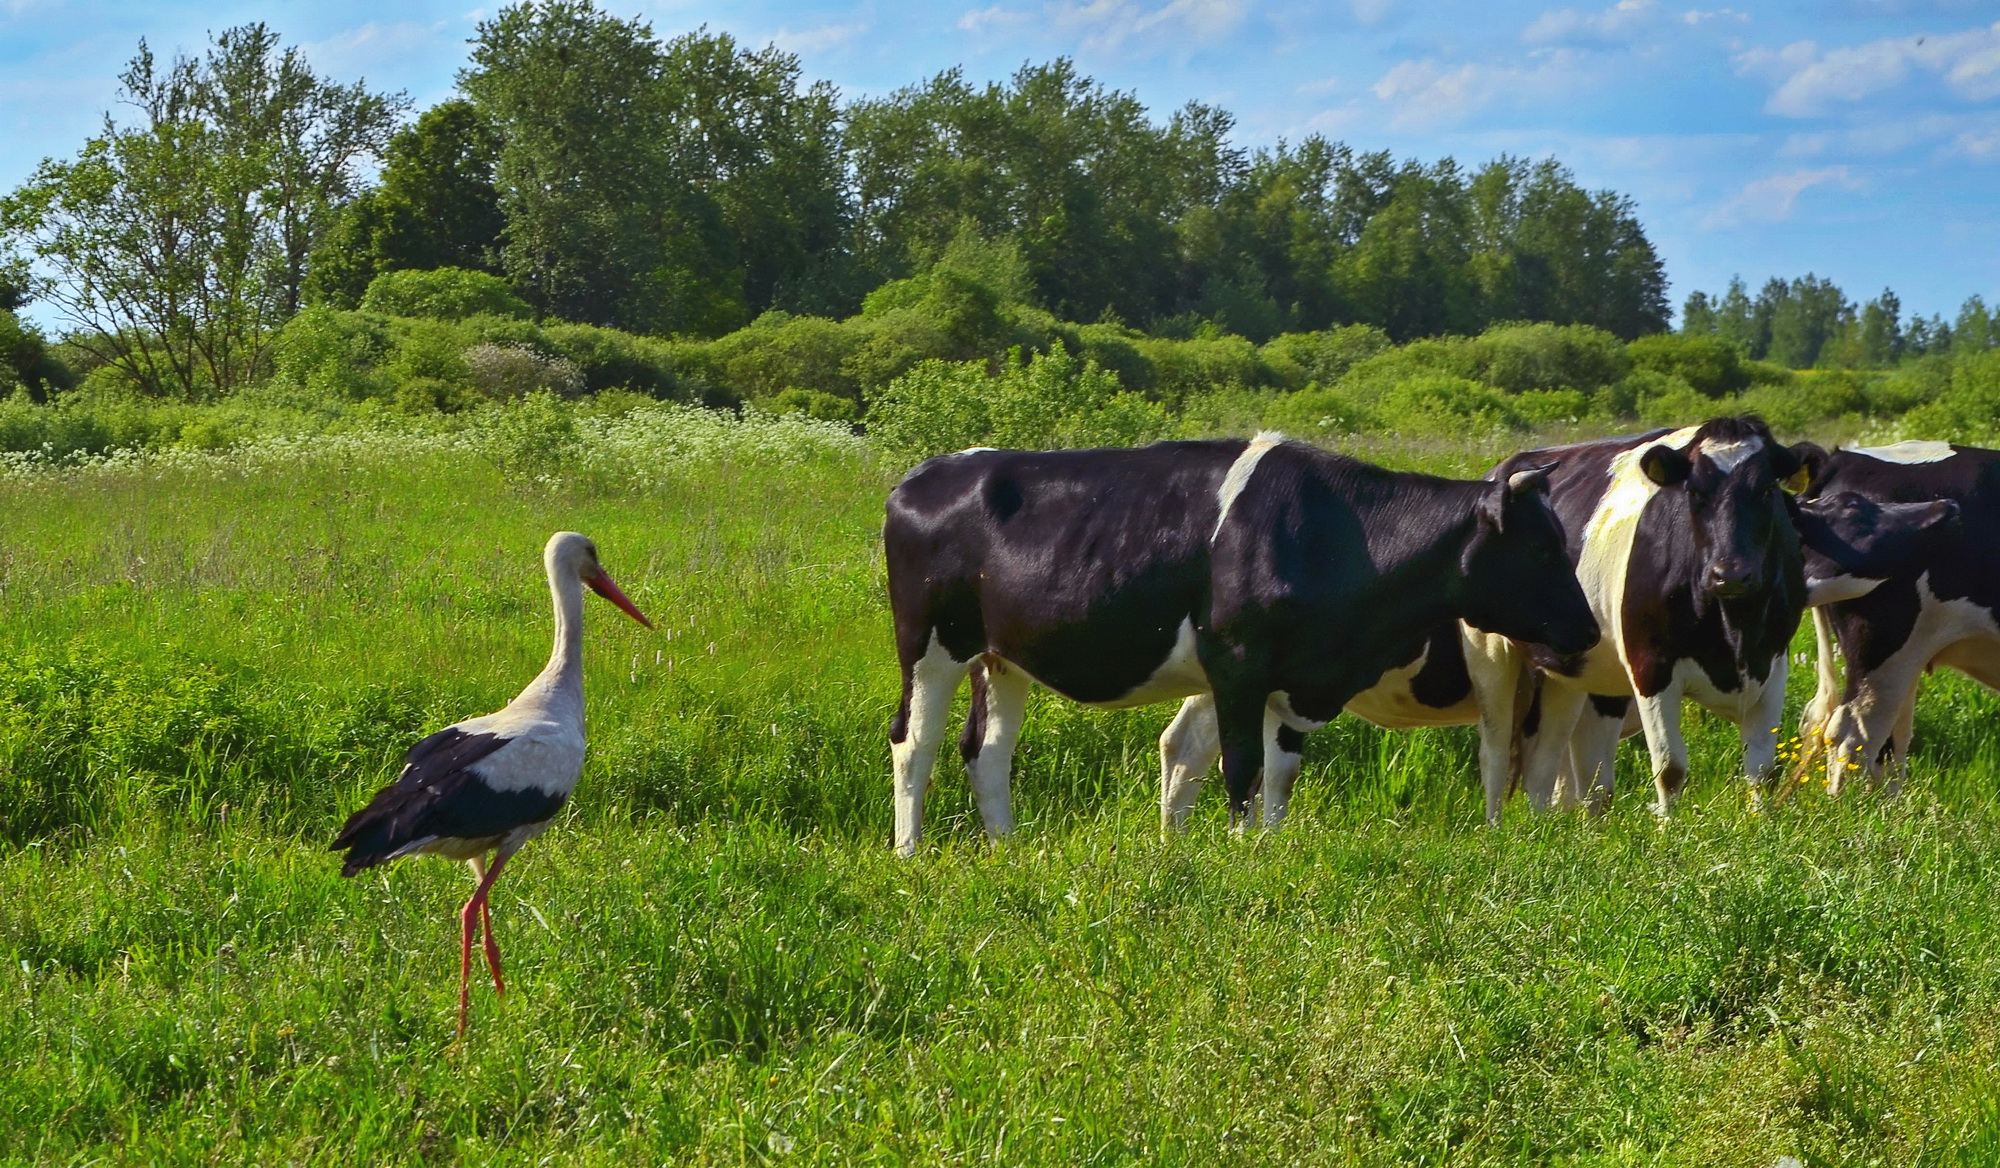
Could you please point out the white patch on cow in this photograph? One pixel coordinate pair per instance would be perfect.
(1188, 750)
(1727, 456)
(979, 450)
(1179, 676)
(1239, 476)
(933, 679)
(1824, 590)
(1911, 452)
(1280, 703)
(1389, 703)
(1958, 633)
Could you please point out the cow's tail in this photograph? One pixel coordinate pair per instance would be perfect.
(974, 735)
(1527, 720)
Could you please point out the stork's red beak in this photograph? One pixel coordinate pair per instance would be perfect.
(601, 583)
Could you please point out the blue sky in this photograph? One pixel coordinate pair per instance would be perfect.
(1858, 139)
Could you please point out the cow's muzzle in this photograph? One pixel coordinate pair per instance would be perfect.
(1730, 579)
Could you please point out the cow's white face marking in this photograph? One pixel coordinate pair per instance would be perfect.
(1727, 456)
(1607, 547)
(1909, 453)
(1239, 476)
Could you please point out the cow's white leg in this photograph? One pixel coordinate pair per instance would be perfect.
(927, 691)
(1500, 678)
(1188, 749)
(1899, 746)
(1593, 757)
(1816, 720)
(1760, 728)
(990, 769)
(1543, 754)
(1283, 754)
(1661, 716)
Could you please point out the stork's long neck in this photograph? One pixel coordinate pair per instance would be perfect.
(558, 689)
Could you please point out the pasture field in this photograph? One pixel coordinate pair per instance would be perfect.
(206, 660)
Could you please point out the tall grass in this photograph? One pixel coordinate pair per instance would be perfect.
(206, 660)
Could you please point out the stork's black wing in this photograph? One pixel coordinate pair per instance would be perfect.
(438, 795)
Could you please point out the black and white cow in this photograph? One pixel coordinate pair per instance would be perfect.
(1684, 544)
(1280, 578)
(1930, 598)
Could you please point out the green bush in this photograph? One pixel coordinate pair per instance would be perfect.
(1969, 407)
(610, 359)
(1813, 395)
(1182, 369)
(1040, 401)
(1315, 412)
(814, 404)
(1443, 405)
(1521, 357)
(326, 354)
(1296, 359)
(780, 351)
(1709, 365)
(442, 294)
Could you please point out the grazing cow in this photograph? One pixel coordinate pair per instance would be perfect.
(1930, 600)
(1280, 578)
(1684, 544)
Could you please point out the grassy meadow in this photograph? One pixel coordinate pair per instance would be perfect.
(207, 659)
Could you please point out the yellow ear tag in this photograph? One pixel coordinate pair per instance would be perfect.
(1799, 481)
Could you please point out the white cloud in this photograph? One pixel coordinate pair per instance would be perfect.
(1811, 82)
(1568, 26)
(1427, 93)
(1770, 200)
(371, 45)
(808, 41)
(1695, 16)
(1107, 25)
(1370, 11)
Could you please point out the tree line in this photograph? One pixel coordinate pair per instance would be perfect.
(1809, 322)
(686, 186)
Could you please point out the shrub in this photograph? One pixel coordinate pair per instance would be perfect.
(530, 438)
(1968, 408)
(813, 404)
(1182, 369)
(609, 359)
(1709, 365)
(1043, 400)
(326, 354)
(1296, 359)
(508, 371)
(780, 351)
(1314, 412)
(1445, 405)
(1520, 357)
(442, 294)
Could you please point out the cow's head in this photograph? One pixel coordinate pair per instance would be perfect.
(1731, 474)
(1853, 543)
(1518, 580)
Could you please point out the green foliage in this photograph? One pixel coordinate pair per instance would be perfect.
(1521, 357)
(1325, 357)
(435, 207)
(1037, 401)
(442, 294)
(1317, 413)
(1969, 407)
(179, 244)
(27, 363)
(1182, 369)
(780, 352)
(1713, 367)
(608, 359)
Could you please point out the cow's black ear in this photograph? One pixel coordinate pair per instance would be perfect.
(1940, 513)
(1530, 480)
(1798, 465)
(1665, 465)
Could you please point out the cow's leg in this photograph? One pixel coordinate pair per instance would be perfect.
(1500, 679)
(915, 734)
(1283, 754)
(989, 756)
(1760, 728)
(1188, 749)
(1593, 751)
(1544, 750)
(1815, 722)
(1898, 749)
(1660, 714)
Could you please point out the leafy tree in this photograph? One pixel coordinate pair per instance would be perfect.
(1804, 315)
(435, 207)
(585, 165)
(1881, 330)
(1975, 328)
(175, 246)
(442, 294)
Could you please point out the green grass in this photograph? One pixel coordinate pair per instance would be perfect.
(714, 958)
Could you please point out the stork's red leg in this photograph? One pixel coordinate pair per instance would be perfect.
(486, 929)
(468, 918)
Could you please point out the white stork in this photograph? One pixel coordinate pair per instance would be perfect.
(493, 783)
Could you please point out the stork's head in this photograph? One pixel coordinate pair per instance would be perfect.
(570, 556)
